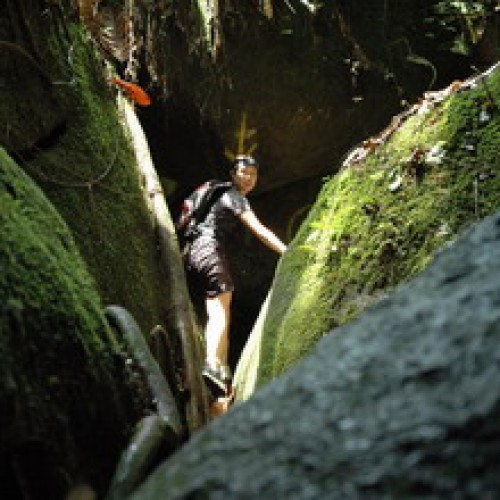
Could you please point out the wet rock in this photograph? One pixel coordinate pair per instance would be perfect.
(419, 419)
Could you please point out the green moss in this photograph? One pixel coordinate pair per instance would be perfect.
(379, 222)
(42, 252)
(87, 168)
(60, 385)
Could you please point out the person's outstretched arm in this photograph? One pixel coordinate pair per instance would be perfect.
(262, 232)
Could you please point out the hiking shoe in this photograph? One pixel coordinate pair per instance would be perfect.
(215, 377)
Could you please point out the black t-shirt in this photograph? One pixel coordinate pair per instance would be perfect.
(223, 217)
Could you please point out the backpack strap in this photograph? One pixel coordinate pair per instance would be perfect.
(214, 191)
(198, 206)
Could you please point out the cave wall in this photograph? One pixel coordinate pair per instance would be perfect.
(300, 87)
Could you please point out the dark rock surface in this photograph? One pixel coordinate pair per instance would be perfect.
(307, 87)
(404, 402)
(68, 399)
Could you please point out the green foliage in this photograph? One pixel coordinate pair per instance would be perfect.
(378, 222)
(464, 21)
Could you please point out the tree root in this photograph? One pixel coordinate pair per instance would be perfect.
(153, 431)
(166, 406)
(136, 461)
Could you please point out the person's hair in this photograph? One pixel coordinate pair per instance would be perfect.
(244, 161)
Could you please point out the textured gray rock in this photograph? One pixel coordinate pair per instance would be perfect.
(403, 402)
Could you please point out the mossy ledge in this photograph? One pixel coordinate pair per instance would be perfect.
(378, 222)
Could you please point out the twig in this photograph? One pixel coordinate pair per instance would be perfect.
(83, 184)
(11, 46)
(482, 80)
(4, 44)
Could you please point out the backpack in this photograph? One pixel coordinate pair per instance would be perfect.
(196, 207)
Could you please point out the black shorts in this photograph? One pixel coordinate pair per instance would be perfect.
(207, 270)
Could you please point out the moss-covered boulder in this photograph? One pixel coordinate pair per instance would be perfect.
(63, 126)
(401, 403)
(66, 397)
(399, 197)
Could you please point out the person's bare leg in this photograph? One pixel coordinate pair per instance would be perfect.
(217, 329)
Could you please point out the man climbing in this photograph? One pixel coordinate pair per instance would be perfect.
(207, 265)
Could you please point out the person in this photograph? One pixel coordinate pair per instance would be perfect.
(207, 265)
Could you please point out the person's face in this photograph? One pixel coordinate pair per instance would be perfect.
(245, 178)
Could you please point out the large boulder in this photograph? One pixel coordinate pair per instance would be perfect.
(63, 127)
(402, 402)
(398, 198)
(68, 398)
